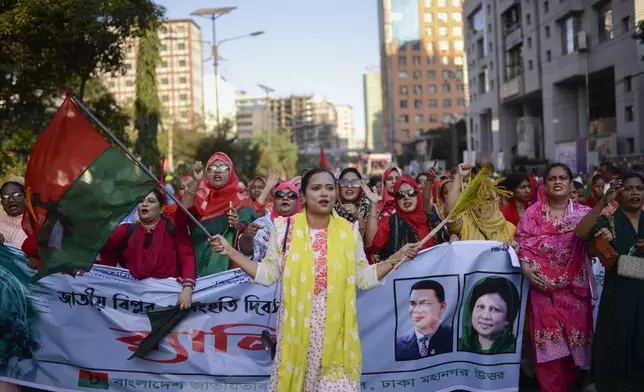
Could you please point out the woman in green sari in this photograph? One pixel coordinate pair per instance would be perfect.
(214, 199)
(488, 317)
(618, 358)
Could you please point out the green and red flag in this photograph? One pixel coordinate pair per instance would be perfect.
(78, 190)
(93, 380)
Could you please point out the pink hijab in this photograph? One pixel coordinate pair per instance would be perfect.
(286, 185)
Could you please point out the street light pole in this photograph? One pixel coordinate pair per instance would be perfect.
(268, 91)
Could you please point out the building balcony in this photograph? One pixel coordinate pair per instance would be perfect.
(512, 88)
(513, 36)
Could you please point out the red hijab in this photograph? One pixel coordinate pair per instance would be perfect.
(388, 201)
(211, 202)
(286, 185)
(416, 219)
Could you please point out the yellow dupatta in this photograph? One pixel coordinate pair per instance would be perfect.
(341, 355)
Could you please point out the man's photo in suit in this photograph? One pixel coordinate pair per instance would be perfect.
(428, 336)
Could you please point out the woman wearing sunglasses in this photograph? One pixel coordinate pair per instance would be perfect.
(410, 224)
(254, 241)
(354, 198)
(214, 198)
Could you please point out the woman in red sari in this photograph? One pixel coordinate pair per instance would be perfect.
(560, 312)
(519, 185)
(387, 205)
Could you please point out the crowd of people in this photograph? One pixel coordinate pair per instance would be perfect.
(353, 231)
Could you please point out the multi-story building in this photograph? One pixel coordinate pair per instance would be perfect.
(346, 127)
(374, 139)
(179, 74)
(422, 57)
(254, 116)
(554, 79)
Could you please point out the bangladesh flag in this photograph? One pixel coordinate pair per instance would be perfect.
(78, 190)
(93, 380)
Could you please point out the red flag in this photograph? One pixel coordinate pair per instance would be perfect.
(323, 163)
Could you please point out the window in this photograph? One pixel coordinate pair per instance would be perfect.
(112, 84)
(183, 80)
(530, 65)
(180, 29)
(429, 32)
(528, 19)
(164, 81)
(628, 84)
(547, 30)
(184, 114)
(447, 103)
(418, 89)
(441, 3)
(417, 75)
(477, 21)
(405, 133)
(491, 48)
(402, 75)
(429, 17)
(480, 48)
(460, 88)
(182, 63)
(605, 21)
(431, 89)
(416, 60)
(416, 46)
(457, 17)
(456, 3)
(513, 63)
(418, 104)
(429, 46)
(443, 31)
(569, 30)
(164, 63)
(419, 118)
(183, 97)
(403, 90)
(402, 61)
(548, 56)
(432, 103)
(433, 118)
(165, 98)
(529, 42)
(431, 75)
(442, 16)
(428, 3)
(459, 45)
(546, 6)
(445, 60)
(629, 113)
(403, 119)
(181, 46)
(484, 84)
(459, 74)
(430, 60)
(128, 66)
(447, 75)
(447, 118)
(443, 45)
(404, 104)
(446, 88)
(458, 60)
(457, 31)
(461, 102)
(626, 24)
(163, 47)
(418, 132)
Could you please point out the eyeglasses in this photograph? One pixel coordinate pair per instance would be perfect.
(15, 196)
(409, 192)
(355, 183)
(218, 169)
(286, 195)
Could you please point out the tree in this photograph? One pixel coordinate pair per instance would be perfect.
(639, 32)
(103, 104)
(277, 152)
(243, 153)
(147, 105)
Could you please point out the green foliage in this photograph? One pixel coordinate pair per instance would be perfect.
(103, 104)
(639, 32)
(277, 152)
(147, 105)
(244, 154)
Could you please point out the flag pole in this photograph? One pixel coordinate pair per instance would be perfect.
(147, 171)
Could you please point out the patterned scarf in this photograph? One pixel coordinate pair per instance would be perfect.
(341, 355)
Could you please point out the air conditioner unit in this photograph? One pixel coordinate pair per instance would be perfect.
(582, 41)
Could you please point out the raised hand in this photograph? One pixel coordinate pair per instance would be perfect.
(464, 170)
(197, 171)
(273, 179)
(612, 193)
(372, 195)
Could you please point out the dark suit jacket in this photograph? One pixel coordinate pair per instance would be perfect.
(440, 343)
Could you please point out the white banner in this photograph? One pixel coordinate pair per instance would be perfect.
(70, 333)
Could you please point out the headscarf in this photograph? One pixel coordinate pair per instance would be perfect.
(494, 227)
(286, 185)
(296, 180)
(550, 244)
(388, 202)
(506, 343)
(416, 219)
(251, 182)
(210, 201)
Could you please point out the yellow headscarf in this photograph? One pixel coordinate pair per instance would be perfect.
(341, 355)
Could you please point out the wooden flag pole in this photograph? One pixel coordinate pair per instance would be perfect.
(147, 171)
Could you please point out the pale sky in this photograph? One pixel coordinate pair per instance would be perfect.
(309, 47)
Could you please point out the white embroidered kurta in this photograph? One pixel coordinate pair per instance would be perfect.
(270, 271)
(11, 229)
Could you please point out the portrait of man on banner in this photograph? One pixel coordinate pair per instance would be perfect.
(429, 336)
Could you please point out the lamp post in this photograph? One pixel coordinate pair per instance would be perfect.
(267, 90)
(213, 14)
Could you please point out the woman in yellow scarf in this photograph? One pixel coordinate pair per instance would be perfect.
(323, 260)
(485, 221)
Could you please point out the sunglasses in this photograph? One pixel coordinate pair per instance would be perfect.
(355, 183)
(15, 196)
(410, 192)
(218, 169)
(286, 195)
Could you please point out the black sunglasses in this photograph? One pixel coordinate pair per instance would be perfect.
(409, 192)
(286, 195)
(355, 183)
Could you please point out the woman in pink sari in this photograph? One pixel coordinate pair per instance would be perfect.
(560, 312)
